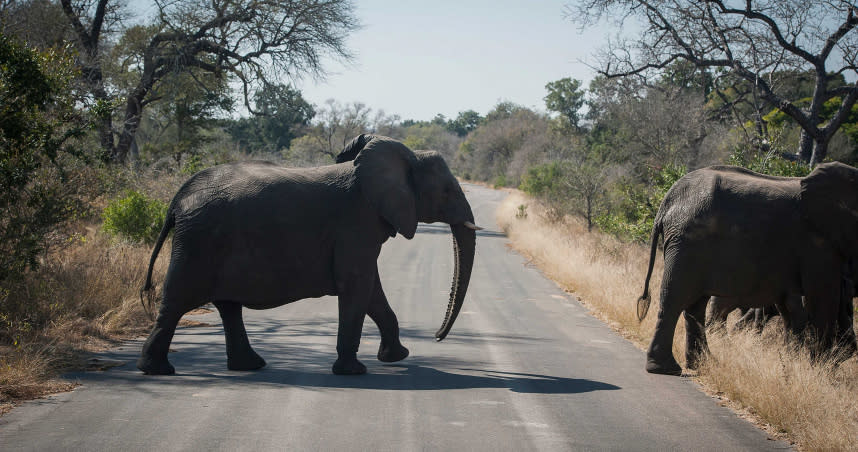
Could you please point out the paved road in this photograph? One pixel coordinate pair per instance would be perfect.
(524, 368)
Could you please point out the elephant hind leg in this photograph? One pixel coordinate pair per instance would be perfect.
(696, 345)
(659, 359)
(677, 292)
(390, 350)
(153, 358)
(239, 353)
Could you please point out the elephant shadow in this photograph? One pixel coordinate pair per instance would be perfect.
(400, 377)
(443, 229)
(417, 377)
(307, 365)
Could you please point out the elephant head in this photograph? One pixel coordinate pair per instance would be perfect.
(406, 187)
(829, 203)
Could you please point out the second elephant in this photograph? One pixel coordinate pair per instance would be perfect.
(730, 232)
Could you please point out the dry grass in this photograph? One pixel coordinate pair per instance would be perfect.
(814, 406)
(606, 274)
(84, 297)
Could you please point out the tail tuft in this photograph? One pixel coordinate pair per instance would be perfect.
(643, 307)
(147, 307)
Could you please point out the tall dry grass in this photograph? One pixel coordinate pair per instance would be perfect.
(814, 406)
(82, 298)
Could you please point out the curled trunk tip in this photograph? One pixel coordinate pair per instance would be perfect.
(464, 244)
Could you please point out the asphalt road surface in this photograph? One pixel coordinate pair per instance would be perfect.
(524, 368)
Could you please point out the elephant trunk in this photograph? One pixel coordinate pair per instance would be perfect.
(464, 244)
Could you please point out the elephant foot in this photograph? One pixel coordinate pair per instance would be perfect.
(348, 367)
(671, 368)
(151, 366)
(392, 353)
(248, 361)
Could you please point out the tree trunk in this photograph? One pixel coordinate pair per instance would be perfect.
(105, 124)
(805, 147)
(589, 214)
(820, 151)
(133, 111)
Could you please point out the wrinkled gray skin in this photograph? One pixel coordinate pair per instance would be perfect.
(795, 317)
(730, 232)
(259, 235)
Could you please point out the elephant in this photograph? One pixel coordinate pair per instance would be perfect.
(260, 235)
(795, 317)
(730, 232)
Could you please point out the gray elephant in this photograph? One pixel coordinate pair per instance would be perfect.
(795, 317)
(259, 235)
(723, 225)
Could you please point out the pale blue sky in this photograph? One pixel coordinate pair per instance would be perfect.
(419, 58)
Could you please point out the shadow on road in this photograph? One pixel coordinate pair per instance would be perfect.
(401, 377)
(296, 357)
(444, 229)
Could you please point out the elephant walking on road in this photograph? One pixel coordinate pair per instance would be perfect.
(259, 235)
(730, 232)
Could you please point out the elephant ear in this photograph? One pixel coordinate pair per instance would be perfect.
(829, 203)
(383, 170)
(351, 150)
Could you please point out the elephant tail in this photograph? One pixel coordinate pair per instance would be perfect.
(644, 300)
(169, 222)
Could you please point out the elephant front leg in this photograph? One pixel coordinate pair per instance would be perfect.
(390, 350)
(239, 353)
(352, 305)
(695, 333)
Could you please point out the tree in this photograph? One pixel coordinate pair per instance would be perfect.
(38, 128)
(756, 41)
(465, 122)
(282, 112)
(253, 42)
(566, 98)
(512, 139)
(430, 136)
(90, 33)
(336, 124)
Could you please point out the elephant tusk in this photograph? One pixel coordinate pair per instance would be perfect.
(470, 225)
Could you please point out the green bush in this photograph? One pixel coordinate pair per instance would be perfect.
(542, 180)
(193, 164)
(40, 131)
(769, 163)
(632, 219)
(135, 217)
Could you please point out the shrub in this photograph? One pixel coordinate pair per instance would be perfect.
(542, 180)
(633, 217)
(193, 164)
(39, 127)
(135, 217)
(769, 163)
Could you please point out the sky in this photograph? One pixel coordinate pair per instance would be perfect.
(416, 59)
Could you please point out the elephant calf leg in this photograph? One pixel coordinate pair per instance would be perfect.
(391, 349)
(695, 333)
(239, 353)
